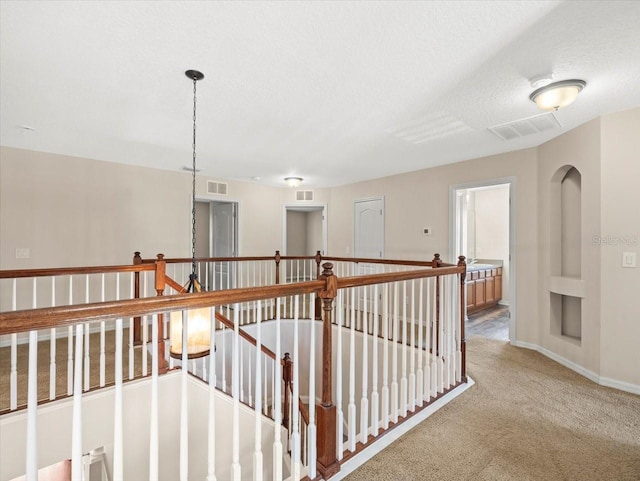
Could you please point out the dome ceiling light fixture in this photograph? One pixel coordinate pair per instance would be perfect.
(556, 95)
(293, 181)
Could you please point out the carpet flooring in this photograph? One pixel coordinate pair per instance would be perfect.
(526, 419)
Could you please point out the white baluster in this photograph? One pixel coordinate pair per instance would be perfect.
(224, 358)
(394, 364)
(458, 320)
(420, 347)
(277, 403)
(87, 362)
(184, 406)
(131, 353)
(364, 402)
(339, 414)
(295, 417)
(154, 459)
(434, 338)
(118, 449)
(404, 387)
(249, 384)
(385, 358)
(32, 410)
(257, 446)
(70, 345)
(13, 376)
(236, 472)
(441, 338)
(311, 429)
(375, 412)
(76, 438)
(412, 353)
(211, 431)
(145, 341)
(351, 408)
(102, 337)
(52, 347)
(241, 371)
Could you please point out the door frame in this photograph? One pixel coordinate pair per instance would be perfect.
(314, 206)
(453, 238)
(354, 233)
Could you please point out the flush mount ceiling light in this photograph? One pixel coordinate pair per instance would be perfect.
(293, 181)
(557, 94)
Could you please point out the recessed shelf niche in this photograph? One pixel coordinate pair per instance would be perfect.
(566, 252)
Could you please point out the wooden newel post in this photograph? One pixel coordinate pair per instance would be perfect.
(318, 305)
(437, 262)
(277, 259)
(287, 378)
(463, 343)
(160, 284)
(327, 460)
(137, 260)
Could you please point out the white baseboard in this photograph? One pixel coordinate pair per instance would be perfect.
(373, 449)
(603, 381)
(502, 302)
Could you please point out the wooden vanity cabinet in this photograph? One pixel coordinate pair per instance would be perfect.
(483, 288)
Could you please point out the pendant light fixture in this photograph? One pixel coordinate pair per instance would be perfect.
(198, 320)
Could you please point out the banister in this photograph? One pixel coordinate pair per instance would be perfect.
(370, 279)
(48, 317)
(61, 271)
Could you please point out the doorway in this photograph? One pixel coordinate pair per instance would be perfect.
(483, 229)
(217, 236)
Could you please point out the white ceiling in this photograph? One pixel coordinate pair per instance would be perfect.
(334, 92)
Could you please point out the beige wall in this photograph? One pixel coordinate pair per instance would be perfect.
(620, 232)
(420, 199)
(75, 212)
(314, 232)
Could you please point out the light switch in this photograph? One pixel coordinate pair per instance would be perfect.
(628, 259)
(426, 230)
(22, 253)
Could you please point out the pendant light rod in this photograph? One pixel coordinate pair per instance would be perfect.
(195, 76)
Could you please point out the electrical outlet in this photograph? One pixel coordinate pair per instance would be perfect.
(22, 253)
(628, 259)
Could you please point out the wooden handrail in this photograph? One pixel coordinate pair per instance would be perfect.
(370, 279)
(61, 271)
(48, 317)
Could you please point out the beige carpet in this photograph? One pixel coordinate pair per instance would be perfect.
(527, 418)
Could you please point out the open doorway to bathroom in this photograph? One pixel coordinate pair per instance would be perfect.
(482, 224)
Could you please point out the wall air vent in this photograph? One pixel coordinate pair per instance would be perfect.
(528, 126)
(304, 195)
(219, 188)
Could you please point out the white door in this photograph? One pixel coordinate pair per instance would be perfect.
(223, 241)
(369, 229)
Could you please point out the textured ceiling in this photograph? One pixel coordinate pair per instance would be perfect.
(334, 92)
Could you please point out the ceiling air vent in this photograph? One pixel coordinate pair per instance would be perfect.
(304, 195)
(524, 127)
(219, 188)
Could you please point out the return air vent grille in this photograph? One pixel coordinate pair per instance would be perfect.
(216, 188)
(524, 127)
(304, 195)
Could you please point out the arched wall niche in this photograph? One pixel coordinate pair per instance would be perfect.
(566, 252)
